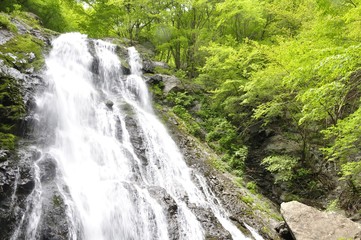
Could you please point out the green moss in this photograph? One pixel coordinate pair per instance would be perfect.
(264, 207)
(28, 18)
(247, 199)
(162, 70)
(12, 110)
(252, 186)
(12, 107)
(7, 141)
(333, 206)
(57, 201)
(156, 90)
(187, 120)
(218, 164)
(124, 63)
(23, 52)
(5, 23)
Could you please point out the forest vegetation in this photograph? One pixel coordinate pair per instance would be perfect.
(258, 69)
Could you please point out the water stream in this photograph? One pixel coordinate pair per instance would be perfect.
(114, 160)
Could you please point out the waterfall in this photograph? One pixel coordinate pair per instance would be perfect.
(106, 157)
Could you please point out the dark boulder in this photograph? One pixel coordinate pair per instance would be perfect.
(283, 231)
(109, 104)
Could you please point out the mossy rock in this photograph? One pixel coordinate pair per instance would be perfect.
(7, 141)
(5, 23)
(12, 111)
(12, 107)
(28, 18)
(23, 52)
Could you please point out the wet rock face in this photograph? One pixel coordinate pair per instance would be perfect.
(51, 209)
(119, 130)
(168, 203)
(136, 138)
(211, 225)
(16, 183)
(307, 223)
(53, 223)
(47, 167)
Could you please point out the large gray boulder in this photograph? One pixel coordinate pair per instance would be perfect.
(308, 223)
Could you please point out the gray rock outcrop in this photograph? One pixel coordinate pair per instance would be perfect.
(308, 223)
(150, 66)
(169, 83)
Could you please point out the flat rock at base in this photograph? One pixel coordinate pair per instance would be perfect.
(308, 223)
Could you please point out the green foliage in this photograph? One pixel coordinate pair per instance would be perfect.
(7, 141)
(281, 165)
(252, 186)
(12, 110)
(190, 124)
(333, 206)
(181, 98)
(156, 90)
(11, 104)
(223, 136)
(181, 102)
(247, 199)
(238, 158)
(219, 165)
(58, 15)
(241, 18)
(345, 145)
(6, 23)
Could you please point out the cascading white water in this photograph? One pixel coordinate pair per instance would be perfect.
(112, 152)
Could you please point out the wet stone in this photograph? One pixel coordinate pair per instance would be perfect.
(109, 104)
(47, 169)
(119, 130)
(170, 207)
(136, 139)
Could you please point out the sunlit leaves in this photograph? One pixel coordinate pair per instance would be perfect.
(282, 166)
(241, 18)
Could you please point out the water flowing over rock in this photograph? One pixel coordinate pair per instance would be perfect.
(105, 167)
(308, 223)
